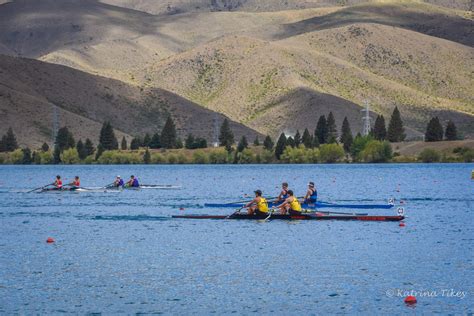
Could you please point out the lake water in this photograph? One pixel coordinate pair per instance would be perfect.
(122, 253)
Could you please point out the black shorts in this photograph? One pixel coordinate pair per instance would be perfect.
(259, 213)
(293, 212)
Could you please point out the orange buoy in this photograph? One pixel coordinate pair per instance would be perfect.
(50, 240)
(402, 224)
(410, 299)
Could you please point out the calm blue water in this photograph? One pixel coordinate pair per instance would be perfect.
(120, 252)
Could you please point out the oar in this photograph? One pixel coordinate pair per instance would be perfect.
(107, 186)
(40, 188)
(269, 215)
(237, 211)
(342, 213)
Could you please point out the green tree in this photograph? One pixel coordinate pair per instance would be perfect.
(451, 132)
(290, 142)
(9, 141)
(434, 130)
(307, 140)
(396, 131)
(44, 147)
(100, 151)
(256, 142)
(89, 147)
(321, 132)
(70, 156)
(123, 145)
(376, 151)
(27, 159)
(429, 155)
(135, 143)
(358, 146)
(268, 143)
(155, 142)
(346, 135)
(242, 144)
(331, 129)
(168, 134)
(226, 137)
(331, 153)
(297, 138)
(146, 140)
(64, 139)
(179, 143)
(56, 155)
(146, 157)
(107, 137)
(189, 142)
(81, 150)
(380, 132)
(280, 146)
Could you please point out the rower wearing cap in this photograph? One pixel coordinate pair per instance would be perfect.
(133, 182)
(58, 183)
(258, 205)
(290, 205)
(311, 196)
(283, 193)
(118, 183)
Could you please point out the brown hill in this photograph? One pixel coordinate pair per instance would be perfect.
(29, 89)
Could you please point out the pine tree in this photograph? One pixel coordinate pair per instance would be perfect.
(256, 142)
(27, 159)
(168, 134)
(100, 151)
(9, 142)
(396, 132)
(307, 140)
(346, 135)
(297, 138)
(64, 139)
(44, 147)
(2, 144)
(226, 137)
(107, 137)
(146, 157)
(123, 145)
(290, 142)
(56, 155)
(146, 140)
(201, 142)
(280, 146)
(179, 143)
(321, 132)
(380, 132)
(89, 147)
(189, 142)
(155, 142)
(135, 143)
(434, 130)
(332, 129)
(81, 150)
(451, 132)
(242, 144)
(268, 143)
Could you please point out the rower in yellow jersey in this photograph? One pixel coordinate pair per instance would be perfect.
(258, 205)
(290, 205)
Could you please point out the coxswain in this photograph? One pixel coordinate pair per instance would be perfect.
(76, 183)
(283, 193)
(311, 196)
(258, 205)
(133, 182)
(58, 183)
(291, 205)
(118, 183)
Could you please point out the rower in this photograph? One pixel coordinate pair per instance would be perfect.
(58, 183)
(76, 183)
(118, 183)
(258, 205)
(283, 193)
(290, 205)
(311, 196)
(133, 182)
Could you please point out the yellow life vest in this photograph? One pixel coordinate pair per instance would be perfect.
(262, 205)
(295, 205)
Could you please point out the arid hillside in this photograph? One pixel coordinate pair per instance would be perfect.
(29, 91)
(271, 65)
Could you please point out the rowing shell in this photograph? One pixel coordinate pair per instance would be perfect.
(312, 216)
(309, 206)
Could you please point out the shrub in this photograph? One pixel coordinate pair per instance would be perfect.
(267, 156)
(172, 159)
(157, 158)
(70, 156)
(119, 157)
(468, 155)
(330, 153)
(404, 159)
(89, 160)
(16, 156)
(182, 159)
(301, 154)
(218, 156)
(429, 155)
(246, 156)
(376, 151)
(46, 157)
(200, 157)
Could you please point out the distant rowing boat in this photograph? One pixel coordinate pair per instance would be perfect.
(110, 189)
(308, 206)
(307, 216)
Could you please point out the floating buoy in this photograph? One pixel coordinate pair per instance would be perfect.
(181, 208)
(50, 240)
(402, 202)
(402, 224)
(410, 299)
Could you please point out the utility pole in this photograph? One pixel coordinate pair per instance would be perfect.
(216, 131)
(366, 119)
(55, 124)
